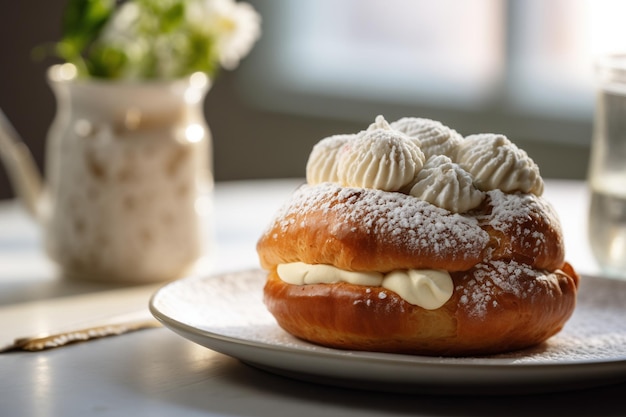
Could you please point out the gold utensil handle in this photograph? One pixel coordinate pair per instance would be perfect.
(51, 341)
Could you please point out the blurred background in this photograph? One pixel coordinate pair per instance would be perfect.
(518, 67)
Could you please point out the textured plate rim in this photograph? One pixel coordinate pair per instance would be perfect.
(609, 370)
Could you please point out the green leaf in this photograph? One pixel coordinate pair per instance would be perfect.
(106, 62)
(201, 55)
(172, 17)
(82, 22)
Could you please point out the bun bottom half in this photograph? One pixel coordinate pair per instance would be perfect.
(496, 307)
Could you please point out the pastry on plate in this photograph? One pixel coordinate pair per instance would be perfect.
(409, 238)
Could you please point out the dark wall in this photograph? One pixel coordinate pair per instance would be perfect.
(24, 96)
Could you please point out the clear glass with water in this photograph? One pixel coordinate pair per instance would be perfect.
(607, 173)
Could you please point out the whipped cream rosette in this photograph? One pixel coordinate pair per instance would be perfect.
(380, 157)
(322, 163)
(445, 184)
(434, 138)
(496, 163)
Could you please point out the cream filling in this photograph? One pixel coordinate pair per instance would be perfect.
(427, 288)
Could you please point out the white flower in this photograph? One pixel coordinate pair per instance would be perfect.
(121, 32)
(236, 26)
(148, 44)
(123, 24)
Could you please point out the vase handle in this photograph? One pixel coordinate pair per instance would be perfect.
(20, 165)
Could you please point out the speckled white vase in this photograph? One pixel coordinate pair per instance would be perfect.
(127, 169)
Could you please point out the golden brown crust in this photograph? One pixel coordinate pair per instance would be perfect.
(360, 229)
(523, 227)
(512, 288)
(503, 317)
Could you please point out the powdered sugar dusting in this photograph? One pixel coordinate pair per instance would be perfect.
(425, 230)
(390, 218)
(513, 213)
(479, 294)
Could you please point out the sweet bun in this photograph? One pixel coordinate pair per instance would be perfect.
(449, 269)
(493, 319)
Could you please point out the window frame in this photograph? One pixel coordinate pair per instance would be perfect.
(262, 88)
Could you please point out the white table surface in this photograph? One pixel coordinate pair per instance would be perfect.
(158, 373)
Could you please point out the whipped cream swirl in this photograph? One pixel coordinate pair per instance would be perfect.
(322, 163)
(380, 157)
(445, 184)
(496, 163)
(391, 157)
(434, 137)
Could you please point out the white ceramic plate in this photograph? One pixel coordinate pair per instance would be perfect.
(226, 313)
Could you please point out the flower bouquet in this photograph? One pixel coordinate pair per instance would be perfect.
(155, 39)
